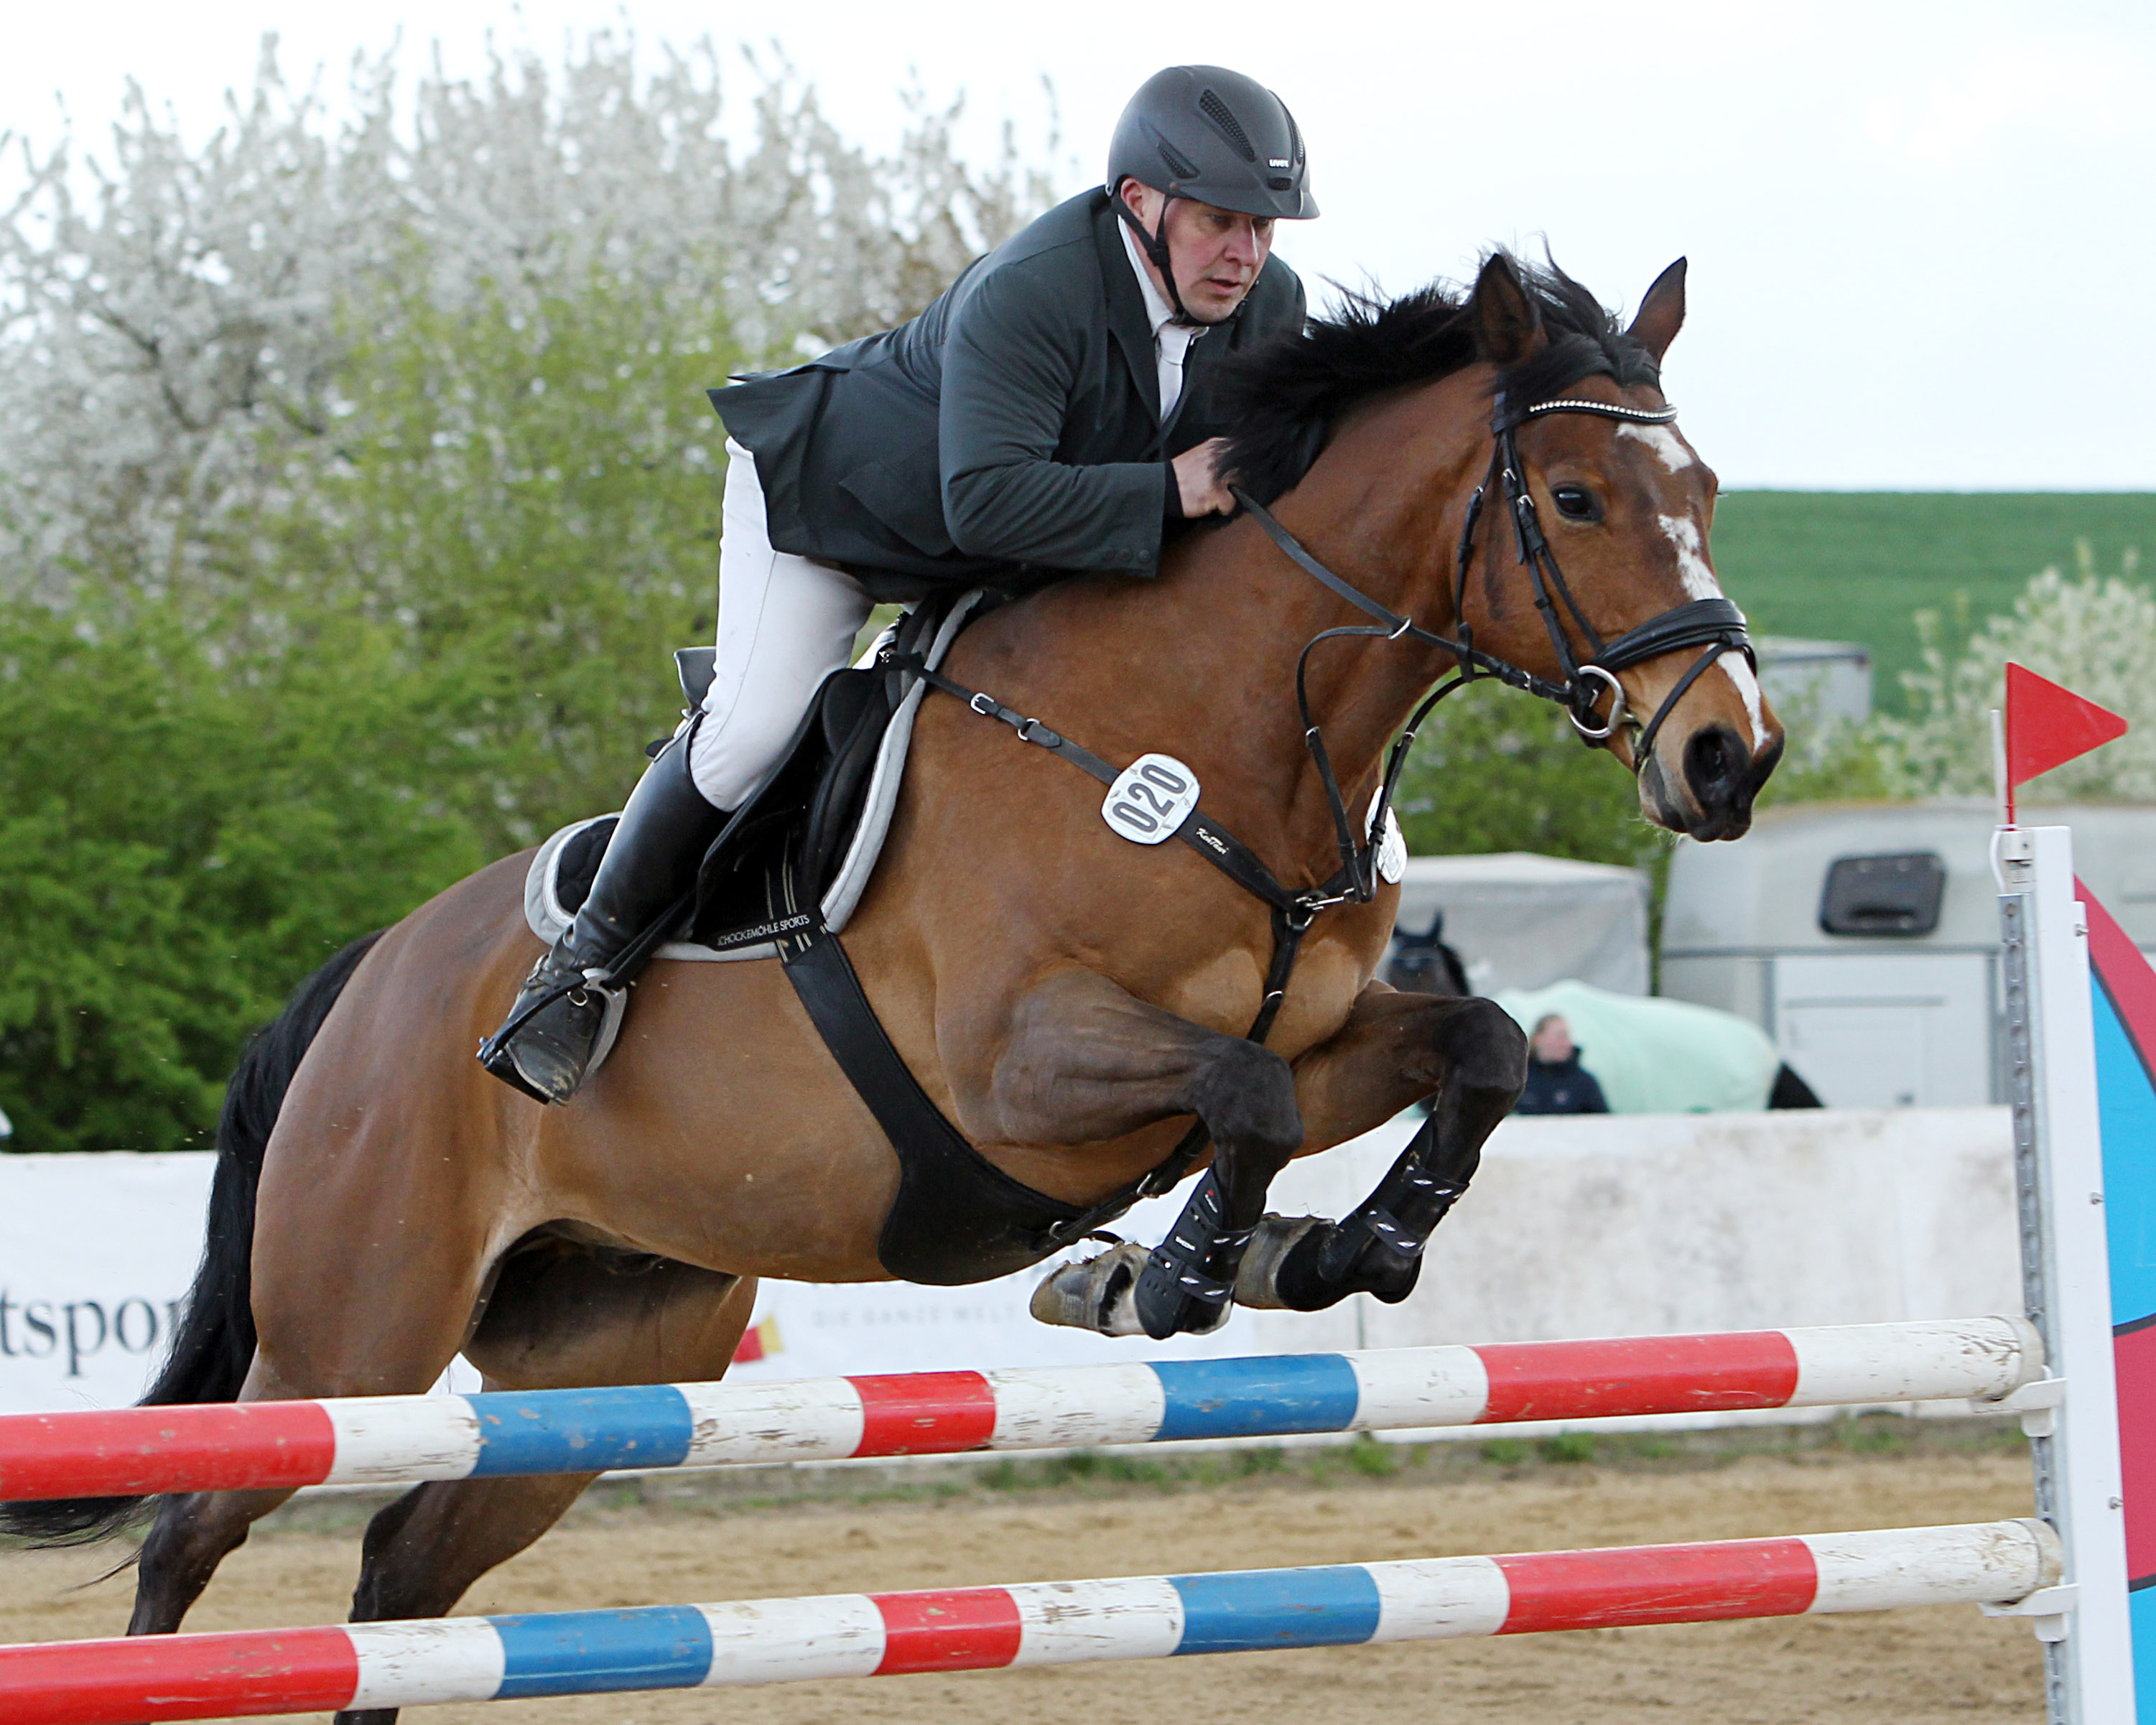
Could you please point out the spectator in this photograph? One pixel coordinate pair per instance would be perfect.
(1556, 1083)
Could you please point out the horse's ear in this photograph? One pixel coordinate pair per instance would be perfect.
(1507, 325)
(1661, 313)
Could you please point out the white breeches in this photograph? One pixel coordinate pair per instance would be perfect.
(785, 623)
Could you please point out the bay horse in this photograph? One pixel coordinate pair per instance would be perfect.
(1070, 1000)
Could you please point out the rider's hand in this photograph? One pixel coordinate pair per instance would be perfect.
(1198, 479)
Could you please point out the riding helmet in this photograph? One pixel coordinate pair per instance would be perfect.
(1205, 133)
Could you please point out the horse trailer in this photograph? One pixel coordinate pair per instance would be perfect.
(1864, 939)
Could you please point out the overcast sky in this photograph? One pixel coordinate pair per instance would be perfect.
(1922, 236)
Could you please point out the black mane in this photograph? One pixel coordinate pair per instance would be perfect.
(1286, 396)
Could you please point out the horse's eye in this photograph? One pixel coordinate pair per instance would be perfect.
(1576, 503)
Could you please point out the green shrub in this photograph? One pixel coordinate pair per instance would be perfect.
(183, 843)
(1495, 769)
(1369, 1457)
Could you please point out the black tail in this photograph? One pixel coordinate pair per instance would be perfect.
(215, 1342)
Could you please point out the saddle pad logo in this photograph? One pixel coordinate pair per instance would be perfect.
(1154, 797)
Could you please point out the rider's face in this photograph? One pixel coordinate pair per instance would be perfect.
(1216, 253)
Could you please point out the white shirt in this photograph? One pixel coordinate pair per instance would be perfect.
(1171, 340)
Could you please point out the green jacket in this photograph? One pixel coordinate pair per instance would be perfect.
(1014, 426)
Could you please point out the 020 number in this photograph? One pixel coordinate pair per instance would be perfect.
(1150, 799)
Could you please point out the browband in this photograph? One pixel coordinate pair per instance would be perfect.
(1607, 410)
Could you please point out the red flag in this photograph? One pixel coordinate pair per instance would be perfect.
(2047, 726)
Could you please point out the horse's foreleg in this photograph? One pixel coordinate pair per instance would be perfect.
(1088, 1061)
(1470, 1059)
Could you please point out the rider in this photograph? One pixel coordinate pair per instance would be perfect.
(1048, 413)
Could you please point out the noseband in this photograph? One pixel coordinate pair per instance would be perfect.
(1714, 626)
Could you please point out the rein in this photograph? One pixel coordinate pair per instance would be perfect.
(1716, 626)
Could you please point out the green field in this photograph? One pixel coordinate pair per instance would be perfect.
(1854, 566)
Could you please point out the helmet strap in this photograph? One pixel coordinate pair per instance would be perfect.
(1155, 247)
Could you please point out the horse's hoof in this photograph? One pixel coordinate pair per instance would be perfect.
(1093, 1293)
(1256, 1282)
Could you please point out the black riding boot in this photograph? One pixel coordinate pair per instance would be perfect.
(566, 1013)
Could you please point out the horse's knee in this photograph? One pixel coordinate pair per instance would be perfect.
(1482, 1048)
(1246, 1095)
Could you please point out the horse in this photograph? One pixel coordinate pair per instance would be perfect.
(1070, 1001)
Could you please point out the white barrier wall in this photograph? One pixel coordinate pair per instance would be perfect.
(1608, 1225)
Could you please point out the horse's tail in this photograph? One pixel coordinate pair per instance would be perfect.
(215, 1344)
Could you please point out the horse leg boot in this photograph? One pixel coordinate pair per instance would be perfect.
(1305, 1264)
(566, 1014)
(1087, 1062)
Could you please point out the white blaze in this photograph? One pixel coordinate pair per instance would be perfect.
(1697, 575)
(1693, 568)
(1668, 447)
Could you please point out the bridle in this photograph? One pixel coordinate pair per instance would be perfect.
(1714, 626)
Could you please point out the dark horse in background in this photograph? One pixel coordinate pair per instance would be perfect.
(1070, 1001)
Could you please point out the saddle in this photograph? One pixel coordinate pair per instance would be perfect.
(810, 837)
(781, 881)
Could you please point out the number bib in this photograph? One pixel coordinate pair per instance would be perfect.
(1152, 797)
(1392, 852)
(1392, 844)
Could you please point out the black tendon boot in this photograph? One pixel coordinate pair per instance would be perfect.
(1189, 1278)
(1378, 1249)
(566, 1012)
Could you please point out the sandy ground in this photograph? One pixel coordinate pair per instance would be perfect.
(672, 1541)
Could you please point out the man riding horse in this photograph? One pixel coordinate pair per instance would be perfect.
(1048, 414)
(1486, 482)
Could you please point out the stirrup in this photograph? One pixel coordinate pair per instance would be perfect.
(549, 1021)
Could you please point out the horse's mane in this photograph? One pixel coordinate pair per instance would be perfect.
(1285, 396)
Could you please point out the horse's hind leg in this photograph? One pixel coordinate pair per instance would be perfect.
(556, 1320)
(331, 1321)
(1393, 1050)
(193, 1533)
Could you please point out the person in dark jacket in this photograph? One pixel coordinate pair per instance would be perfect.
(1050, 413)
(1556, 1083)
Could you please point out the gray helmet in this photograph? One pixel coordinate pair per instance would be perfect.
(1206, 133)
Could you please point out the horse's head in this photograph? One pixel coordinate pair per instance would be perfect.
(1607, 561)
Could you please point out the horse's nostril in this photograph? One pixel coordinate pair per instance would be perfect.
(1712, 762)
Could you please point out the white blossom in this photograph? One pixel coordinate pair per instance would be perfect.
(169, 337)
